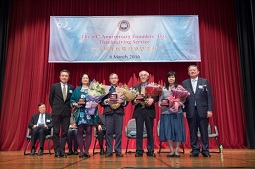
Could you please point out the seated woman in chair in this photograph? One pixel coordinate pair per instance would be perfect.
(40, 124)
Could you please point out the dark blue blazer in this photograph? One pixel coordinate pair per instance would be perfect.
(203, 98)
(34, 120)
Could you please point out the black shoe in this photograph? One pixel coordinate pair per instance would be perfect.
(102, 151)
(108, 155)
(151, 154)
(86, 155)
(206, 154)
(32, 152)
(170, 155)
(40, 152)
(119, 154)
(138, 154)
(194, 155)
(57, 154)
(63, 155)
(75, 152)
(177, 155)
(70, 152)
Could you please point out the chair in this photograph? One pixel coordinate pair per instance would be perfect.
(212, 134)
(48, 138)
(130, 132)
(160, 142)
(95, 135)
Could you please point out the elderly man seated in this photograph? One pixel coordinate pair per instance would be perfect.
(40, 124)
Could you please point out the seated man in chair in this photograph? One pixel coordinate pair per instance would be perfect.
(72, 137)
(40, 124)
(100, 128)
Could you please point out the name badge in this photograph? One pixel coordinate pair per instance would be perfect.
(48, 121)
(200, 87)
(70, 91)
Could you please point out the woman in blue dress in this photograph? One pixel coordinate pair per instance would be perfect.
(83, 118)
(171, 123)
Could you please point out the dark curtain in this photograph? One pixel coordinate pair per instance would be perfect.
(28, 74)
(4, 14)
(246, 32)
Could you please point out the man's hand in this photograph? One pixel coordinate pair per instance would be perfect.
(99, 127)
(184, 114)
(209, 114)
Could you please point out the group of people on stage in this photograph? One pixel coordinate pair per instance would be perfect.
(197, 108)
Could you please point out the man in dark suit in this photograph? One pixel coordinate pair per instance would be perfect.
(40, 124)
(114, 111)
(101, 129)
(198, 110)
(59, 99)
(144, 114)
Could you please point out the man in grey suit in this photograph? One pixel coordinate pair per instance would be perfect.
(198, 110)
(59, 99)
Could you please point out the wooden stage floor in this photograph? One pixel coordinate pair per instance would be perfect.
(231, 158)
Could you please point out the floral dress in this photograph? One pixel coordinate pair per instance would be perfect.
(83, 115)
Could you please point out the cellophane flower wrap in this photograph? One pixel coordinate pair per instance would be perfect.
(125, 92)
(153, 90)
(96, 92)
(177, 96)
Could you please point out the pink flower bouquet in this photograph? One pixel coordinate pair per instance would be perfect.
(179, 94)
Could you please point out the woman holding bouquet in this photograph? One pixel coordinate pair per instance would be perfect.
(83, 119)
(171, 122)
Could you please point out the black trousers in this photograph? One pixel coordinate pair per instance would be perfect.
(59, 141)
(142, 118)
(202, 123)
(39, 133)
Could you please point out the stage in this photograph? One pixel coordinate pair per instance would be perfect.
(231, 158)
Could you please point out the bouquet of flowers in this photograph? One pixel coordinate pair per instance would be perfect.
(125, 92)
(96, 92)
(153, 90)
(179, 94)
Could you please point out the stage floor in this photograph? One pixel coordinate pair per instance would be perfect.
(231, 158)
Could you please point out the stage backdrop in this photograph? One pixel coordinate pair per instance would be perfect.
(28, 74)
(124, 39)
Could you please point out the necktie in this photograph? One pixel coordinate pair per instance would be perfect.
(64, 92)
(41, 121)
(194, 84)
(112, 89)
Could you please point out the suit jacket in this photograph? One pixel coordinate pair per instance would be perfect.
(202, 98)
(139, 108)
(57, 103)
(35, 117)
(109, 110)
(101, 121)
